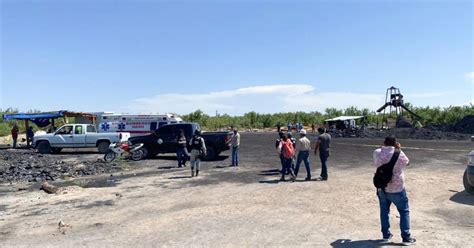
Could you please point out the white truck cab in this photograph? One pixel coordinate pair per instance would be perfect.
(77, 136)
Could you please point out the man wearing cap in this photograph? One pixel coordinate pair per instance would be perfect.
(303, 145)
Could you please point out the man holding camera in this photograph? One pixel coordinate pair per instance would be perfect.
(395, 191)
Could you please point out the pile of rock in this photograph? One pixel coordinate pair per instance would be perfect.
(26, 165)
(466, 125)
(414, 133)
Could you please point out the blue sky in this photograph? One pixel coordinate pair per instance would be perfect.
(233, 56)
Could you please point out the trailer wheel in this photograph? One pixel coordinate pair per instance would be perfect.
(44, 147)
(103, 147)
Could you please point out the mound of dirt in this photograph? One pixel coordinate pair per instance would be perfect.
(18, 165)
(413, 133)
(466, 125)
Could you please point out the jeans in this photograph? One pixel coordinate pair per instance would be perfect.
(303, 156)
(324, 167)
(195, 160)
(14, 143)
(400, 200)
(235, 156)
(182, 155)
(287, 169)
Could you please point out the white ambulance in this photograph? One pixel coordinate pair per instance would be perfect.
(136, 125)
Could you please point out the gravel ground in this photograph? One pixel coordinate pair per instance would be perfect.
(152, 203)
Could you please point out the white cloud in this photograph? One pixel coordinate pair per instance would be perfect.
(275, 98)
(262, 99)
(470, 76)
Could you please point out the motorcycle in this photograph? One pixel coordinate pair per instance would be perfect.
(133, 152)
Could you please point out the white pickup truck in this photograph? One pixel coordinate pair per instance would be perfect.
(77, 136)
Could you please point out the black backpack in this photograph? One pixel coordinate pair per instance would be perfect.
(384, 173)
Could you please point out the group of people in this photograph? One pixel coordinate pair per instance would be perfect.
(291, 150)
(390, 153)
(29, 135)
(299, 126)
(198, 150)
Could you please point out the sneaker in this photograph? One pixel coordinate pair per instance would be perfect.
(322, 179)
(308, 179)
(388, 238)
(409, 241)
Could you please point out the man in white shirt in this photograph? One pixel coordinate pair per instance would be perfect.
(235, 143)
(303, 146)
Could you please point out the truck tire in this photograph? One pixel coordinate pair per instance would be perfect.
(469, 188)
(103, 147)
(145, 152)
(44, 147)
(211, 154)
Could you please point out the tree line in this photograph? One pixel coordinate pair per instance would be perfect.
(430, 115)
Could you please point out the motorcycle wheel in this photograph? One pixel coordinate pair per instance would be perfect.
(110, 156)
(137, 155)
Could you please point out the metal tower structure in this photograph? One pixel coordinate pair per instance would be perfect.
(394, 102)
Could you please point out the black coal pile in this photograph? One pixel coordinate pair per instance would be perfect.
(403, 122)
(415, 133)
(28, 166)
(465, 125)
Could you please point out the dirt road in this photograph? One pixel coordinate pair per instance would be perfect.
(155, 204)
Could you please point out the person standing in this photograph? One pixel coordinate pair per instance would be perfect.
(277, 144)
(278, 126)
(323, 145)
(313, 130)
(303, 146)
(29, 136)
(287, 152)
(395, 191)
(198, 150)
(289, 127)
(181, 149)
(235, 142)
(293, 141)
(14, 133)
